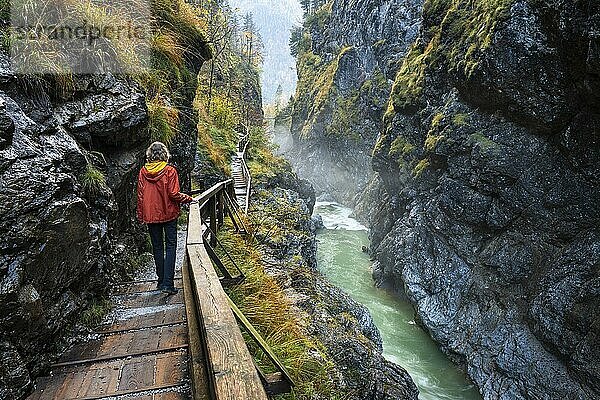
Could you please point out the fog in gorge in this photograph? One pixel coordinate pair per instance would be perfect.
(275, 19)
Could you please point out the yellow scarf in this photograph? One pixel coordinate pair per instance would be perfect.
(156, 166)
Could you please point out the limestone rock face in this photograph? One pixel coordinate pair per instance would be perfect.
(58, 241)
(485, 201)
(491, 170)
(347, 61)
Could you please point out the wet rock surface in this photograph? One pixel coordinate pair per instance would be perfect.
(484, 206)
(68, 175)
(58, 246)
(492, 218)
(344, 327)
(334, 124)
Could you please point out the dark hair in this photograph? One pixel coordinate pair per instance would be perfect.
(157, 152)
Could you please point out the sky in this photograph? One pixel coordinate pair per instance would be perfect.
(275, 18)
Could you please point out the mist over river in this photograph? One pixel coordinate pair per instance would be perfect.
(341, 259)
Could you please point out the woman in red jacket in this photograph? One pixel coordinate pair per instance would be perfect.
(158, 207)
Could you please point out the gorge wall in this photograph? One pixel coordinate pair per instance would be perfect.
(347, 59)
(485, 199)
(70, 150)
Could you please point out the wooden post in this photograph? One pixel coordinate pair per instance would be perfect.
(221, 211)
(194, 232)
(212, 209)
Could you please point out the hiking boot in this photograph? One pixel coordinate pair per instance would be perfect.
(170, 291)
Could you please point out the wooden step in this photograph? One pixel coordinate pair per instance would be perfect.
(115, 378)
(122, 344)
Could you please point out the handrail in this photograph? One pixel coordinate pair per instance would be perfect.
(229, 367)
(242, 148)
(248, 185)
(205, 196)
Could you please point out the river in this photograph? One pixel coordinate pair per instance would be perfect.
(340, 259)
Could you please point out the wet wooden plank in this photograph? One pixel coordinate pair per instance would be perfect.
(151, 316)
(147, 299)
(171, 368)
(140, 286)
(116, 377)
(173, 336)
(114, 345)
(137, 374)
(105, 380)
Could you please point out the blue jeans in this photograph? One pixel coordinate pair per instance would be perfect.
(164, 235)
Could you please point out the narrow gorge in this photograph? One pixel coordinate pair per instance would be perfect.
(424, 212)
(465, 135)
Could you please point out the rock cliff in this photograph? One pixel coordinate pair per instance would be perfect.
(327, 315)
(347, 59)
(485, 203)
(61, 216)
(70, 150)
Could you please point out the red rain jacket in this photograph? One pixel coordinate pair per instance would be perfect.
(158, 196)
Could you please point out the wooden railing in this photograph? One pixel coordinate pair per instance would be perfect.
(219, 354)
(242, 148)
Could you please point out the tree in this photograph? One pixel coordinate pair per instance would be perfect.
(311, 6)
(252, 44)
(220, 33)
(279, 98)
(295, 40)
(306, 6)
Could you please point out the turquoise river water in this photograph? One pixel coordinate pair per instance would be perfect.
(341, 259)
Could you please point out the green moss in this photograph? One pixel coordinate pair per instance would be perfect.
(324, 83)
(400, 150)
(93, 180)
(345, 117)
(408, 86)
(462, 30)
(400, 146)
(95, 313)
(432, 141)
(467, 28)
(163, 120)
(435, 121)
(421, 167)
(374, 88)
(460, 119)
(390, 112)
(484, 142)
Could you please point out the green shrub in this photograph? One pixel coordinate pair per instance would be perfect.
(93, 180)
(93, 315)
(264, 303)
(262, 162)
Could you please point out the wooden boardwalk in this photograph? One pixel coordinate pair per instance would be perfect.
(240, 173)
(159, 347)
(141, 353)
